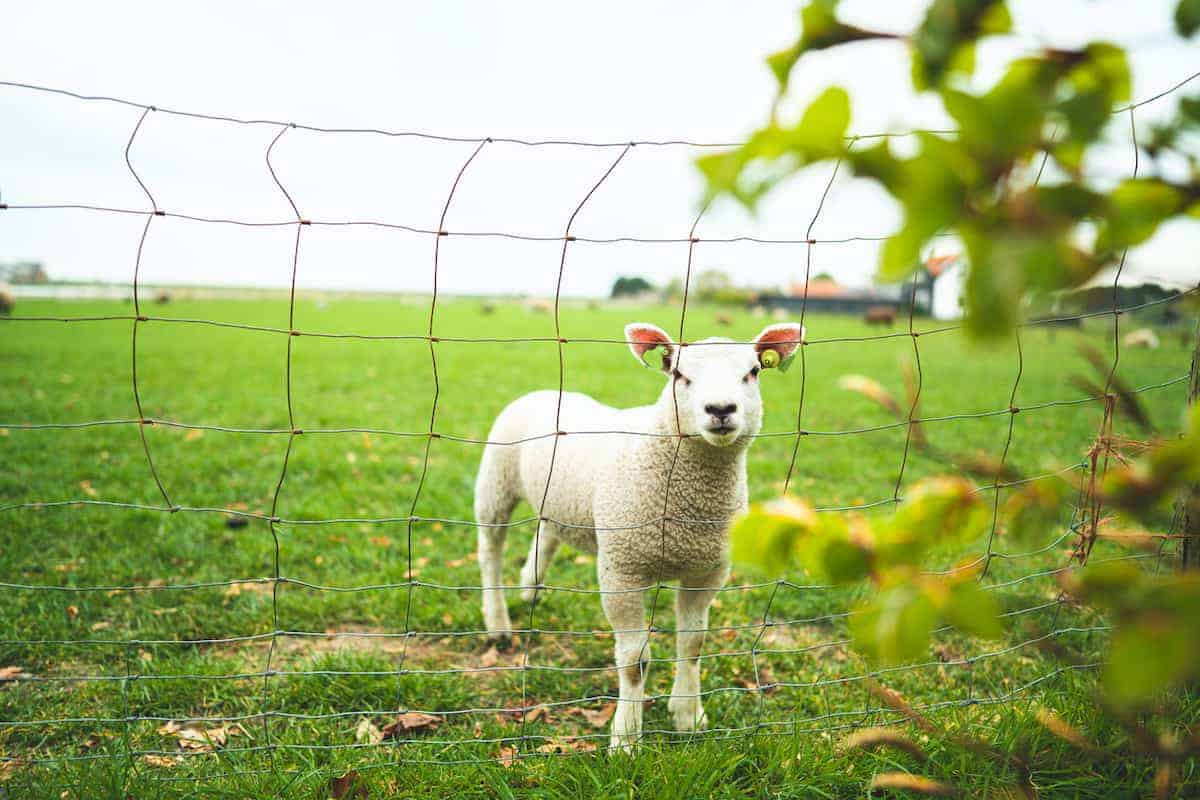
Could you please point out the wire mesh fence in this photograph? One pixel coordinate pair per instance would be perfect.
(778, 664)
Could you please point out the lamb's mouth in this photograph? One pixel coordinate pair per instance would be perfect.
(721, 435)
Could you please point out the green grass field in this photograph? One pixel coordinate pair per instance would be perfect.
(111, 666)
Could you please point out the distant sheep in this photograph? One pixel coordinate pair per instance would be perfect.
(541, 306)
(162, 297)
(7, 301)
(607, 493)
(487, 307)
(880, 315)
(1142, 337)
(724, 320)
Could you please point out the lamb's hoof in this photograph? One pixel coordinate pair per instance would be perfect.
(501, 634)
(689, 714)
(503, 640)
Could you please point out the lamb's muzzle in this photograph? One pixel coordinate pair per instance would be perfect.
(607, 493)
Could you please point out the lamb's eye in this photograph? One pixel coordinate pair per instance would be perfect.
(679, 376)
(751, 375)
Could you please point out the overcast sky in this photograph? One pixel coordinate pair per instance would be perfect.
(601, 72)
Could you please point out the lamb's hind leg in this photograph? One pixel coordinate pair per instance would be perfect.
(494, 503)
(541, 553)
(691, 622)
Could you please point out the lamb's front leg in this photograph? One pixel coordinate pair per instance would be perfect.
(623, 605)
(691, 622)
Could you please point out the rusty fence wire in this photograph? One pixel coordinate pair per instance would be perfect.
(439, 748)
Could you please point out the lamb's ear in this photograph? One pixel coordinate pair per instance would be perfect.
(643, 337)
(783, 339)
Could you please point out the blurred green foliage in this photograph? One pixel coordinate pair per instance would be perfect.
(1019, 235)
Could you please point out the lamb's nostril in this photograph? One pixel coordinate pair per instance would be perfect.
(721, 410)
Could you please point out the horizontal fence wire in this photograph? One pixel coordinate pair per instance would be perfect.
(764, 636)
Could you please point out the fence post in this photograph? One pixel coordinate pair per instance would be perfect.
(1188, 506)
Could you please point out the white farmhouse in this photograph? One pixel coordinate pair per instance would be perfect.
(947, 276)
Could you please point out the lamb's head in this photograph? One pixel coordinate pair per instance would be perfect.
(713, 384)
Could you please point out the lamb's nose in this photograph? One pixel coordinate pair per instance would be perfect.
(721, 411)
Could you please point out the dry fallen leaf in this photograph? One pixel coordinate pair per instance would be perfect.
(161, 761)
(532, 712)
(367, 732)
(193, 435)
(567, 744)
(410, 722)
(455, 563)
(765, 683)
(87, 488)
(13, 674)
(102, 625)
(72, 611)
(8, 769)
(597, 717)
(347, 786)
(508, 756)
(490, 657)
(381, 541)
(202, 740)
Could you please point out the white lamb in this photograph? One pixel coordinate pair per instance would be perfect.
(608, 496)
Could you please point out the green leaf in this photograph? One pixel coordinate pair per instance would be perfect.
(935, 511)
(1111, 584)
(1187, 17)
(822, 129)
(894, 627)
(973, 610)
(844, 561)
(821, 29)
(1036, 509)
(1135, 210)
(786, 363)
(950, 26)
(1148, 657)
(767, 536)
(781, 64)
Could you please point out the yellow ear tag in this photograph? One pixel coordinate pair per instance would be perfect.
(769, 358)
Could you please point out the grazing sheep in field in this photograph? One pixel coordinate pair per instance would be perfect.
(650, 490)
(487, 307)
(541, 306)
(162, 297)
(1142, 337)
(880, 315)
(7, 301)
(724, 320)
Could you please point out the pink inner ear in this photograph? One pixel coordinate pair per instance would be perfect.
(642, 338)
(783, 339)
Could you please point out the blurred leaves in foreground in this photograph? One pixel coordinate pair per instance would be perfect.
(983, 183)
